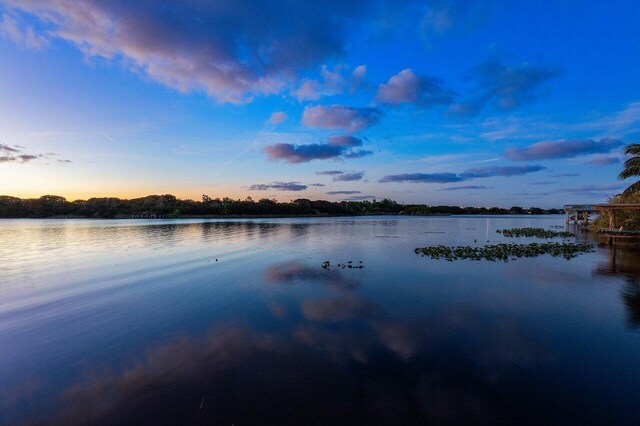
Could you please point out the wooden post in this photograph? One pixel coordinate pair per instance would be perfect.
(612, 219)
(568, 218)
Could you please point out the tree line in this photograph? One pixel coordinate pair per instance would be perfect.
(170, 206)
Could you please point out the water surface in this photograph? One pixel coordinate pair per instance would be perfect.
(235, 322)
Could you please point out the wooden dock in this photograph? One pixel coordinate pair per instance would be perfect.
(579, 213)
(615, 234)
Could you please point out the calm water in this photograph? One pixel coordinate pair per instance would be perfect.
(235, 322)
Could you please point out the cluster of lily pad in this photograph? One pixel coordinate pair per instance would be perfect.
(505, 251)
(350, 264)
(534, 232)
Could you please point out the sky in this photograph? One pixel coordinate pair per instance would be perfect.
(474, 103)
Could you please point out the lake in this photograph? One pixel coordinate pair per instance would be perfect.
(236, 322)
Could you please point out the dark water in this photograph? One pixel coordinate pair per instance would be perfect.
(135, 321)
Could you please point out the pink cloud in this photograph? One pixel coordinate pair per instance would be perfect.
(278, 117)
(406, 87)
(349, 119)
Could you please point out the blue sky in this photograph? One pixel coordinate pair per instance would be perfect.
(442, 102)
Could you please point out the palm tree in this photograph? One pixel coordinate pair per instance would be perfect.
(631, 167)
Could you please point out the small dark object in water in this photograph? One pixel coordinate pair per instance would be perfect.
(327, 265)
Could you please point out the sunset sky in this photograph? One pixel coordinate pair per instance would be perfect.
(439, 102)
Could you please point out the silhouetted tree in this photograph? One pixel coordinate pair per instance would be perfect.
(631, 167)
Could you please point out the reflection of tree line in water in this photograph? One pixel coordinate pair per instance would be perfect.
(163, 233)
(626, 263)
(166, 232)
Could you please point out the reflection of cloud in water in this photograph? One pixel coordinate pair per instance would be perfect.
(172, 379)
(290, 272)
(342, 346)
(345, 359)
(335, 309)
(277, 310)
(508, 346)
(308, 374)
(402, 339)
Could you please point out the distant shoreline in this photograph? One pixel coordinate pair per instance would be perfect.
(168, 206)
(278, 216)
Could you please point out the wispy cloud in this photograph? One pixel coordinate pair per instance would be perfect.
(596, 191)
(542, 183)
(442, 158)
(423, 178)
(549, 150)
(345, 140)
(504, 86)
(21, 33)
(443, 17)
(360, 198)
(348, 177)
(337, 147)
(618, 124)
(593, 188)
(291, 153)
(15, 154)
(464, 187)
(359, 153)
(329, 172)
(349, 119)
(561, 175)
(484, 172)
(407, 88)
(473, 173)
(603, 160)
(7, 148)
(278, 186)
(278, 117)
(343, 192)
(332, 82)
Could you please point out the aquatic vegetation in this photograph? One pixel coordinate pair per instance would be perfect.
(534, 232)
(350, 264)
(505, 251)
